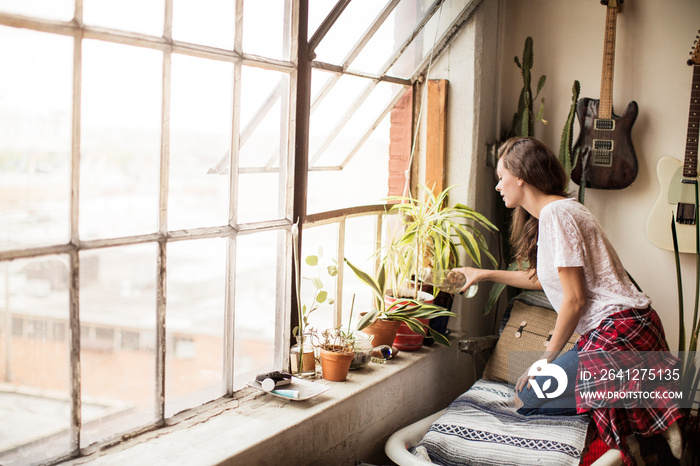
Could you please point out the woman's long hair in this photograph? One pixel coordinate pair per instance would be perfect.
(536, 164)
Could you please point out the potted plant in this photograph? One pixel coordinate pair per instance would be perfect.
(336, 353)
(388, 314)
(302, 356)
(430, 236)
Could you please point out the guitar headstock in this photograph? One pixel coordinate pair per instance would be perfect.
(695, 53)
(612, 3)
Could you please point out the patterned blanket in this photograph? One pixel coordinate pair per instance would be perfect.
(481, 427)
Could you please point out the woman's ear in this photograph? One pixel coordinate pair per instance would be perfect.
(520, 181)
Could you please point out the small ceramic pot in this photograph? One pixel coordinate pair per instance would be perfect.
(335, 365)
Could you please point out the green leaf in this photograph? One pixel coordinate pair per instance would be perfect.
(332, 270)
(318, 284)
(312, 260)
(367, 319)
(367, 279)
(321, 297)
(439, 337)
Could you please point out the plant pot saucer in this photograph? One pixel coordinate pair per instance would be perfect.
(306, 389)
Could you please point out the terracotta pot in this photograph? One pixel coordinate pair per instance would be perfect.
(406, 339)
(384, 331)
(336, 365)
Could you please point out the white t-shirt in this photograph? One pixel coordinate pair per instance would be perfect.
(569, 236)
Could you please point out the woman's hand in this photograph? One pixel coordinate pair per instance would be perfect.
(523, 382)
(472, 274)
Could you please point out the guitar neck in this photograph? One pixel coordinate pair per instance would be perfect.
(690, 164)
(606, 82)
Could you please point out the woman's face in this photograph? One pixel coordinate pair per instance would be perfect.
(509, 186)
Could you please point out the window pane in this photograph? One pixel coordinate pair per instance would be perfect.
(195, 323)
(121, 116)
(266, 28)
(422, 44)
(35, 138)
(61, 10)
(264, 130)
(258, 259)
(336, 148)
(321, 241)
(359, 249)
(347, 30)
(145, 16)
(118, 324)
(200, 129)
(391, 36)
(318, 10)
(218, 15)
(34, 360)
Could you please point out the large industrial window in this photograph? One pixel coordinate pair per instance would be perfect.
(147, 167)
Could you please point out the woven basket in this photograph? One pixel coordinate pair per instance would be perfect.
(522, 342)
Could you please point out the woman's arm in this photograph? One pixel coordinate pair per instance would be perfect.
(572, 306)
(516, 278)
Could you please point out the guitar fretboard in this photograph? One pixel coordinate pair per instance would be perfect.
(606, 82)
(690, 164)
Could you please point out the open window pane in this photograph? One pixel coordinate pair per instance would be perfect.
(35, 138)
(259, 258)
(144, 16)
(34, 355)
(61, 10)
(330, 112)
(200, 131)
(423, 43)
(121, 118)
(363, 181)
(195, 323)
(390, 37)
(218, 15)
(274, 39)
(117, 340)
(356, 122)
(348, 30)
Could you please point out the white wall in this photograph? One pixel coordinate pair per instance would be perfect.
(653, 42)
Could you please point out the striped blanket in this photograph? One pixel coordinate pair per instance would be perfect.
(481, 427)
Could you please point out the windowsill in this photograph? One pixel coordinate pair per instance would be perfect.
(220, 431)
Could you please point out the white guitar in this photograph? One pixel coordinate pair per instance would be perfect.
(678, 182)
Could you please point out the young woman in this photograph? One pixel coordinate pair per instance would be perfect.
(562, 250)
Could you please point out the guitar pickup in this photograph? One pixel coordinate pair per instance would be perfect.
(685, 214)
(602, 152)
(604, 124)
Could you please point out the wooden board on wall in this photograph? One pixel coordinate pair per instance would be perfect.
(436, 130)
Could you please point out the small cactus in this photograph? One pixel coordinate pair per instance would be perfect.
(565, 147)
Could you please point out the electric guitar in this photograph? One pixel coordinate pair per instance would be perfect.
(606, 158)
(678, 182)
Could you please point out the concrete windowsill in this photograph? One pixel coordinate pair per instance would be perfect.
(228, 429)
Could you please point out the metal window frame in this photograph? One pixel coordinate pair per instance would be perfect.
(79, 31)
(294, 133)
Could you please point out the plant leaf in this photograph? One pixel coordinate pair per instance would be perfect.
(312, 260)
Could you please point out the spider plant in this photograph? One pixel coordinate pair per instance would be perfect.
(431, 234)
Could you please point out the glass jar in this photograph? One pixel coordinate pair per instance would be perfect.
(302, 359)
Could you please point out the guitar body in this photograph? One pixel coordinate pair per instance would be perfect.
(673, 190)
(606, 157)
